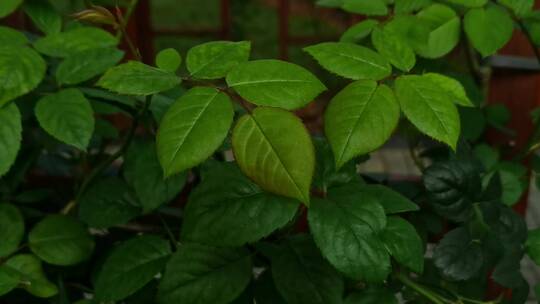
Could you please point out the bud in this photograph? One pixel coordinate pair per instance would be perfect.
(97, 14)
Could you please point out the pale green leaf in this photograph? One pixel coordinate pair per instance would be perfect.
(366, 7)
(227, 209)
(219, 274)
(488, 29)
(360, 119)
(274, 149)
(213, 60)
(11, 229)
(193, 128)
(345, 227)
(67, 116)
(391, 46)
(404, 243)
(452, 87)
(144, 174)
(21, 70)
(358, 31)
(444, 30)
(79, 39)
(9, 6)
(10, 136)
(136, 78)
(168, 60)
(275, 83)
(428, 108)
(303, 276)
(87, 64)
(350, 60)
(43, 15)
(27, 270)
(130, 266)
(61, 240)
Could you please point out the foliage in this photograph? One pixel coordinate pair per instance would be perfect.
(92, 211)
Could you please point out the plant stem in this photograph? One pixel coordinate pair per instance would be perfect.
(420, 289)
(122, 33)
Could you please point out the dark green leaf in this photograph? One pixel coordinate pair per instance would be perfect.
(326, 174)
(10, 36)
(404, 243)
(266, 291)
(350, 60)
(11, 229)
(43, 15)
(520, 7)
(71, 42)
(408, 6)
(303, 276)
(193, 128)
(458, 256)
(345, 228)
(372, 296)
(61, 240)
(219, 275)
(227, 209)
(10, 136)
(87, 64)
(27, 271)
(533, 245)
(130, 266)
(67, 116)
(136, 78)
(391, 201)
(107, 203)
(275, 83)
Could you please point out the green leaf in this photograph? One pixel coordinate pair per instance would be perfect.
(366, 7)
(520, 7)
(469, 3)
(391, 46)
(213, 60)
(21, 70)
(487, 155)
(10, 136)
(275, 83)
(302, 275)
(488, 29)
(87, 64)
(193, 128)
(144, 174)
(8, 6)
(67, 116)
(458, 256)
(26, 269)
(452, 187)
(227, 209)
(350, 60)
(9, 36)
(168, 60)
(392, 201)
(107, 203)
(372, 296)
(404, 243)
(9, 280)
(532, 246)
(512, 187)
(326, 174)
(43, 15)
(345, 228)
(444, 29)
(409, 6)
(274, 149)
(61, 240)
(220, 274)
(429, 109)
(136, 78)
(358, 31)
(70, 43)
(130, 266)
(360, 119)
(473, 123)
(452, 87)
(11, 230)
